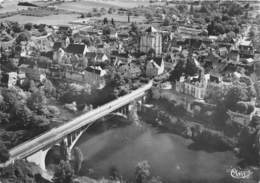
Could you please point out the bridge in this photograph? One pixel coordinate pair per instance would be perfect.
(66, 135)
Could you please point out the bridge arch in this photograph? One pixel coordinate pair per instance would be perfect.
(39, 158)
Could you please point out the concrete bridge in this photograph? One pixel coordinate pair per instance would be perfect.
(66, 135)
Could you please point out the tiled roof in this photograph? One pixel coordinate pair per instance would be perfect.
(158, 61)
(93, 70)
(57, 45)
(76, 48)
(151, 29)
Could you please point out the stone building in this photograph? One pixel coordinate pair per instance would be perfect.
(151, 39)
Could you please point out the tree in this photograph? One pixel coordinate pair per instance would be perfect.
(37, 101)
(89, 14)
(112, 22)
(148, 16)
(48, 88)
(4, 153)
(106, 30)
(204, 9)
(41, 28)
(177, 72)
(24, 36)
(40, 122)
(182, 8)
(234, 9)
(114, 173)
(105, 21)
(20, 171)
(166, 22)
(21, 115)
(11, 97)
(251, 34)
(63, 173)
(135, 31)
(28, 26)
(142, 172)
(216, 95)
(234, 95)
(16, 27)
(191, 69)
(110, 10)
(32, 86)
(230, 36)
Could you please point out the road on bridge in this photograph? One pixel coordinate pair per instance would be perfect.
(54, 135)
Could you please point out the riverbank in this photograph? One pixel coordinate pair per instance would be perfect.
(205, 125)
(122, 146)
(204, 138)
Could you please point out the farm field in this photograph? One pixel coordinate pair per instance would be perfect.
(10, 6)
(85, 5)
(62, 19)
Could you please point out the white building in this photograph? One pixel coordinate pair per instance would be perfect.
(155, 67)
(9, 79)
(192, 86)
(151, 39)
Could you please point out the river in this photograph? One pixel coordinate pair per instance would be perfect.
(120, 144)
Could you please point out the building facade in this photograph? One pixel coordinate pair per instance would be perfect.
(151, 39)
(196, 89)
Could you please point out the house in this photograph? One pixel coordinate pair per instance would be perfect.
(213, 59)
(101, 58)
(44, 43)
(58, 55)
(190, 31)
(77, 49)
(113, 35)
(28, 48)
(9, 79)
(118, 58)
(151, 39)
(57, 45)
(91, 75)
(155, 67)
(223, 51)
(246, 49)
(5, 45)
(215, 80)
(96, 58)
(66, 30)
(234, 56)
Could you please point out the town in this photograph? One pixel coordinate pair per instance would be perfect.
(191, 68)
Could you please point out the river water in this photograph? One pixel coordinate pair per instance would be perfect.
(120, 144)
